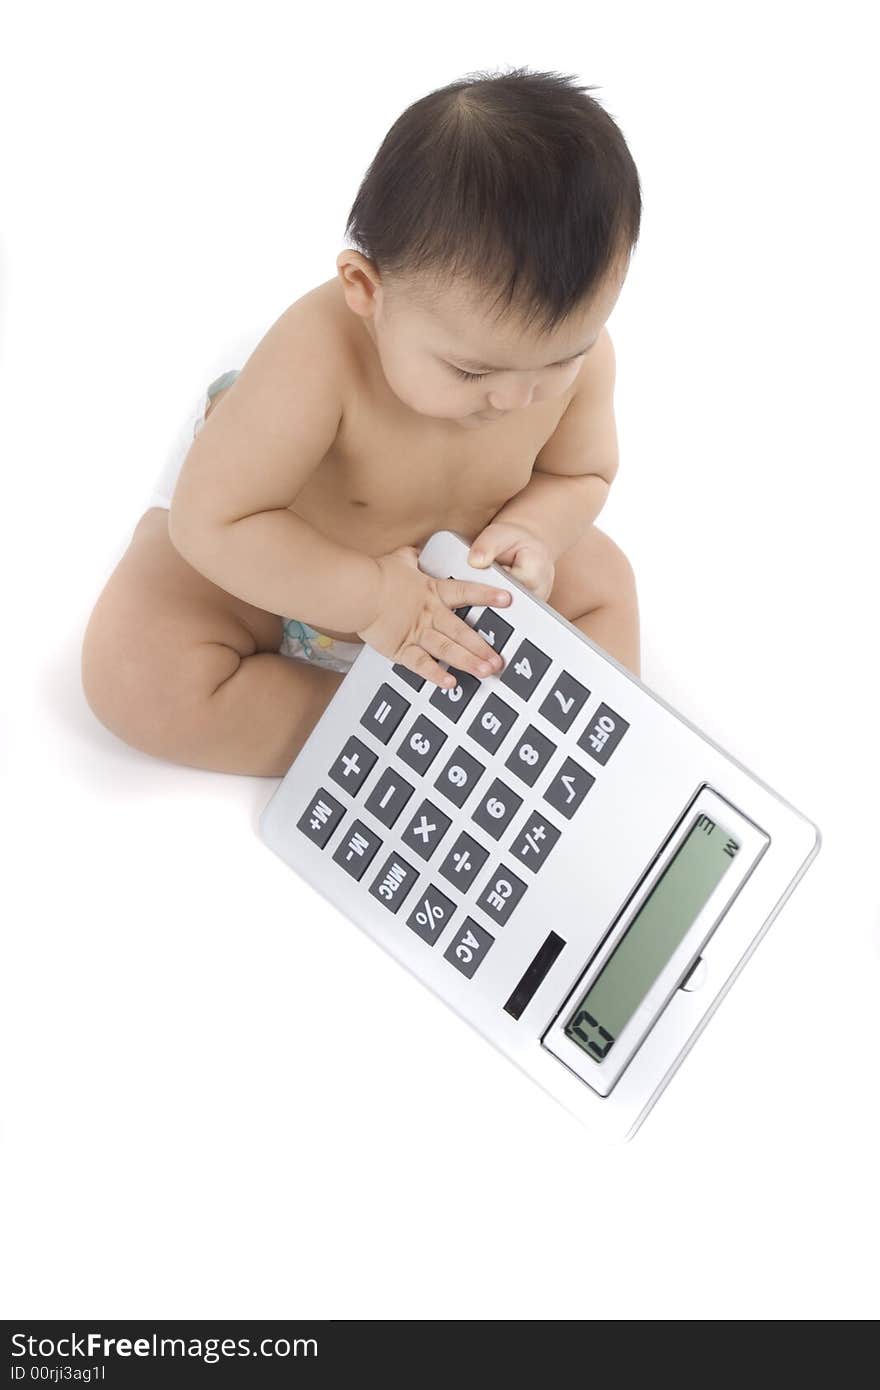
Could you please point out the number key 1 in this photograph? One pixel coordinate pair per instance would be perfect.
(493, 629)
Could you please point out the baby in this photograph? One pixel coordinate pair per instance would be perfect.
(456, 373)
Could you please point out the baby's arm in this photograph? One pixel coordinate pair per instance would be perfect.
(571, 477)
(230, 516)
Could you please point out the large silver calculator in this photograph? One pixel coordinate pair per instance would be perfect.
(565, 860)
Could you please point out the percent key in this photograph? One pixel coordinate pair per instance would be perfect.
(431, 914)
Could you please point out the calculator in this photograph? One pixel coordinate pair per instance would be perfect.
(571, 865)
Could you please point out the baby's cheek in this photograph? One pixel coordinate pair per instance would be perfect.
(413, 392)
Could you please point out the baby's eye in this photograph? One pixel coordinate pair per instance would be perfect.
(478, 376)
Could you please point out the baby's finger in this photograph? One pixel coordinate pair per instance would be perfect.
(454, 627)
(444, 648)
(416, 659)
(456, 593)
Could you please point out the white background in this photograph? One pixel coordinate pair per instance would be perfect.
(192, 1125)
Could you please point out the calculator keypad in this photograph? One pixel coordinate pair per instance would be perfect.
(389, 796)
(357, 849)
(459, 777)
(603, 733)
(321, 817)
(353, 765)
(464, 861)
(426, 829)
(497, 809)
(501, 894)
(531, 755)
(431, 914)
(516, 831)
(524, 671)
(535, 841)
(421, 744)
(493, 629)
(469, 947)
(569, 787)
(454, 701)
(384, 712)
(494, 721)
(393, 882)
(565, 701)
(409, 676)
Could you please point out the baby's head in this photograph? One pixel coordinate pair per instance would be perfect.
(493, 232)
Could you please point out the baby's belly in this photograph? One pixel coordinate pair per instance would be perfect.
(374, 531)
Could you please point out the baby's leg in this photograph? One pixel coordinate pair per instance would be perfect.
(179, 668)
(595, 589)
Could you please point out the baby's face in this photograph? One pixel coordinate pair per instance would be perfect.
(451, 362)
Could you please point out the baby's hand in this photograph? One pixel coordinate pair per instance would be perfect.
(520, 551)
(416, 627)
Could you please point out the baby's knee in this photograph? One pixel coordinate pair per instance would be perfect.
(615, 564)
(593, 573)
(149, 695)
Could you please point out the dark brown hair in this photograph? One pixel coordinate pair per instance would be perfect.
(517, 184)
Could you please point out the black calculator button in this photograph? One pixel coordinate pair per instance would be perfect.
(456, 699)
(356, 849)
(431, 914)
(569, 787)
(352, 765)
(497, 809)
(393, 882)
(421, 744)
(464, 861)
(492, 724)
(459, 777)
(535, 842)
(384, 713)
(501, 894)
(389, 796)
(321, 818)
(602, 734)
(469, 947)
(409, 676)
(567, 697)
(531, 754)
(426, 829)
(493, 629)
(523, 671)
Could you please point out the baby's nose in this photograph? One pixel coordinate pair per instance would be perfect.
(512, 397)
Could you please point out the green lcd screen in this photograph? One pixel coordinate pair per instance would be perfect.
(649, 942)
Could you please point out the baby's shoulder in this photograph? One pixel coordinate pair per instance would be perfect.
(321, 320)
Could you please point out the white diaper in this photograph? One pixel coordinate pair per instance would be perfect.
(163, 488)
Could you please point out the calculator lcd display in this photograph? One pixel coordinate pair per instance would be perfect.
(650, 940)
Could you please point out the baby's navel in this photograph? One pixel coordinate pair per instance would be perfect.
(356, 502)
